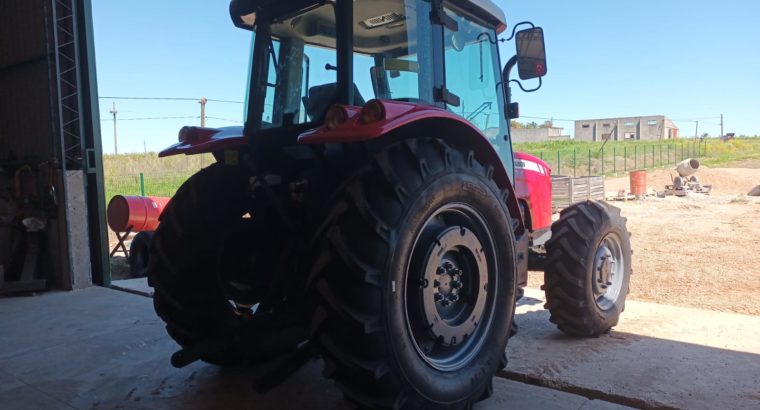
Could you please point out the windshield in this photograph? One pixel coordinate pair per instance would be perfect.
(301, 76)
(389, 61)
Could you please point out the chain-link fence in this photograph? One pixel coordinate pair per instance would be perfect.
(611, 159)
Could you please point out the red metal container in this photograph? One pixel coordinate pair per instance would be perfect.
(138, 213)
(638, 183)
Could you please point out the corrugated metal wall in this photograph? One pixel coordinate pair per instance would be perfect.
(26, 126)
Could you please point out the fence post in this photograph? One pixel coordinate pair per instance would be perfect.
(142, 184)
(635, 157)
(660, 154)
(602, 160)
(625, 159)
(614, 160)
(559, 165)
(573, 162)
(589, 162)
(541, 155)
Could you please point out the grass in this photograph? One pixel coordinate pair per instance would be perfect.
(162, 176)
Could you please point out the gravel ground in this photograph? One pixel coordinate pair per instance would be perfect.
(699, 251)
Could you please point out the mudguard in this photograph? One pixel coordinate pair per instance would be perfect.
(533, 187)
(197, 140)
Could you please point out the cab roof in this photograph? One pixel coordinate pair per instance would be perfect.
(240, 9)
(488, 7)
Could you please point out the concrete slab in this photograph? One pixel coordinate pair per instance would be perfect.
(103, 349)
(658, 356)
(138, 286)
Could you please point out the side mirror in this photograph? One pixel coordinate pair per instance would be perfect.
(531, 53)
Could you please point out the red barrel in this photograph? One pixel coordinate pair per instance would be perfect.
(138, 212)
(638, 183)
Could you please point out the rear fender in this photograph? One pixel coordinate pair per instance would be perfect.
(198, 140)
(409, 120)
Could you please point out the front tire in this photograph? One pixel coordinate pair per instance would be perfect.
(588, 269)
(139, 256)
(419, 290)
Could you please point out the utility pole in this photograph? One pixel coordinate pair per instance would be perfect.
(721, 125)
(145, 148)
(203, 102)
(696, 130)
(114, 111)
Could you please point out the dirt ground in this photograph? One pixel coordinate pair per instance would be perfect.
(700, 251)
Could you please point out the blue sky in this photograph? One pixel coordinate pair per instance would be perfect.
(689, 60)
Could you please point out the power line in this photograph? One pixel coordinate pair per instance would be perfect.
(225, 119)
(151, 118)
(170, 99)
(544, 118)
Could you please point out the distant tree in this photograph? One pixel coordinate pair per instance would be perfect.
(531, 124)
(547, 124)
(705, 135)
(516, 125)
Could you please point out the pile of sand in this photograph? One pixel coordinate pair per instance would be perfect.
(738, 181)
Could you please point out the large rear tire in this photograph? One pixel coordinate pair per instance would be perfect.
(588, 269)
(184, 255)
(417, 280)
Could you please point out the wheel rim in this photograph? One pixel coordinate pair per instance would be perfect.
(609, 271)
(449, 297)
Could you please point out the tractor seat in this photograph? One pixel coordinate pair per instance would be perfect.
(321, 97)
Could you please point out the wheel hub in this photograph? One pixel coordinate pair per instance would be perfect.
(456, 268)
(608, 272)
(604, 264)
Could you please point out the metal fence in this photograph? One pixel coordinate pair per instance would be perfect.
(610, 159)
(144, 184)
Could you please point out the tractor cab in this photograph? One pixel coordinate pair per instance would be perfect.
(308, 56)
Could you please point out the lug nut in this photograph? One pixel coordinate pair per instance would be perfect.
(438, 297)
(453, 297)
(445, 302)
(456, 284)
(440, 271)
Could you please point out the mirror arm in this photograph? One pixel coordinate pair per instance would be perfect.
(514, 29)
(519, 84)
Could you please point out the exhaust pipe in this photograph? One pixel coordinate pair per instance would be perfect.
(687, 167)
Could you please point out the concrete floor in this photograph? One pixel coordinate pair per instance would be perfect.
(104, 349)
(657, 357)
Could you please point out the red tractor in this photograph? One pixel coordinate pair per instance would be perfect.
(370, 211)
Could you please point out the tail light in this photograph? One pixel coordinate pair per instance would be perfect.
(372, 112)
(336, 116)
(192, 135)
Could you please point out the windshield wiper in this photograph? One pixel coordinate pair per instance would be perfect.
(273, 56)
